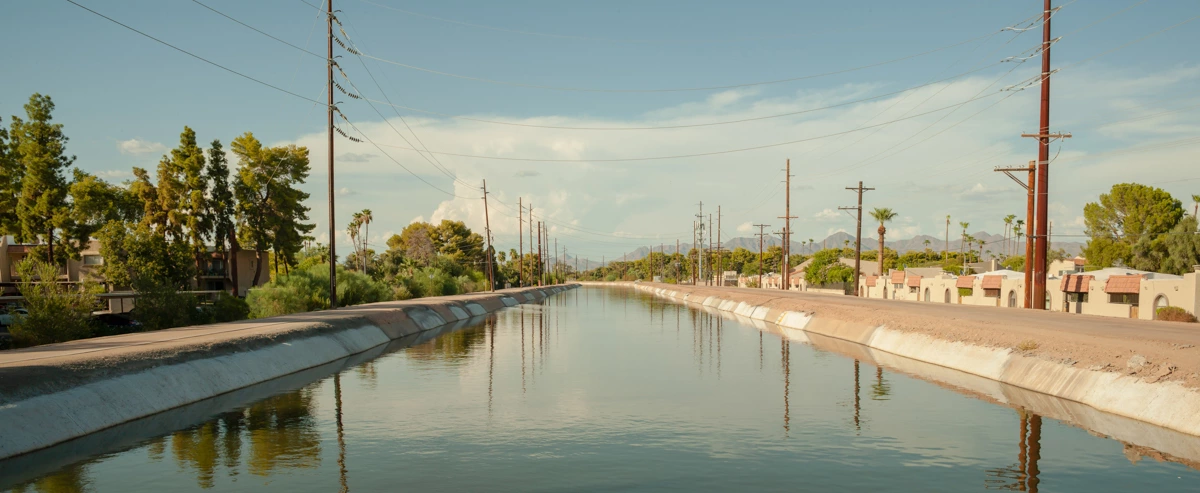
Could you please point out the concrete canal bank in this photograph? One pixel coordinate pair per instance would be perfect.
(1145, 371)
(54, 393)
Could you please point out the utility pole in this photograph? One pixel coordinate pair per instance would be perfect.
(332, 234)
(672, 256)
(785, 267)
(700, 242)
(857, 234)
(530, 244)
(720, 273)
(1030, 187)
(761, 235)
(709, 258)
(1041, 239)
(557, 262)
(540, 271)
(487, 226)
(520, 244)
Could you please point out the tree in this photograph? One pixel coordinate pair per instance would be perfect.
(58, 312)
(883, 215)
(1008, 221)
(1129, 213)
(11, 171)
(964, 225)
(366, 220)
(1195, 204)
(40, 148)
(95, 202)
(270, 205)
(416, 240)
(183, 195)
(1183, 247)
(1018, 230)
(221, 209)
(454, 240)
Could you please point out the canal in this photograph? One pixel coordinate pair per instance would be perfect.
(601, 389)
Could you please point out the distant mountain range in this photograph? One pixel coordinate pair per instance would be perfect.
(840, 239)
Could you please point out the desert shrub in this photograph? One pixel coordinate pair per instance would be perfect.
(57, 312)
(1028, 345)
(1174, 314)
(228, 308)
(308, 290)
(160, 305)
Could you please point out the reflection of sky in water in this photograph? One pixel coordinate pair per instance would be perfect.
(641, 395)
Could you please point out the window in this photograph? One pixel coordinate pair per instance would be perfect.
(1160, 302)
(991, 293)
(947, 296)
(1122, 298)
(927, 295)
(1012, 299)
(1077, 297)
(93, 260)
(913, 289)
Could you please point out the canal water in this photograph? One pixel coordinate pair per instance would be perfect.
(601, 390)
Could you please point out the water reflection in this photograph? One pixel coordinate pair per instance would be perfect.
(1022, 476)
(70, 479)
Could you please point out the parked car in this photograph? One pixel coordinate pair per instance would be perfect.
(7, 314)
(116, 323)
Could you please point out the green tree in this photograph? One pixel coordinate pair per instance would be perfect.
(95, 202)
(11, 171)
(39, 146)
(58, 312)
(455, 240)
(1183, 247)
(883, 215)
(270, 205)
(1129, 213)
(183, 193)
(416, 241)
(222, 209)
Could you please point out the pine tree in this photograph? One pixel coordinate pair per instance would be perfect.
(39, 146)
(221, 209)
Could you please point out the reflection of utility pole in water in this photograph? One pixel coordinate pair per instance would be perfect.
(1029, 450)
(881, 390)
(786, 363)
(522, 351)
(719, 320)
(341, 432)
(491, 359)
(857, 408)
(760, 352)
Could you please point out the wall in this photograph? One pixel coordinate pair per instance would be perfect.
(57, 392)
(1167, 404)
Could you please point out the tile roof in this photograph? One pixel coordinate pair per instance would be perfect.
(965, 282)
(898, 277)
(872, 280)
(1123, 284)
(992, 282)
(1074, 283)
(914, 281)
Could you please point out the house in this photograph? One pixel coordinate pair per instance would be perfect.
(214, 274)
(1121, 292)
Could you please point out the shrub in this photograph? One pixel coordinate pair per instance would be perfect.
(1174, 314)
(308, 290)
(57, 312)
(1027, 345)
(161, 306)
(228, 308)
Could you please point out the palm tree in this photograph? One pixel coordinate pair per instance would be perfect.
(926, 247)
(1196, 207)
(981, 243)
(810, 243)
(946, 249)
(883, 215)
(964, 225)
(1008, 220)
(352, 231)
(366, 219)
(1019, 230)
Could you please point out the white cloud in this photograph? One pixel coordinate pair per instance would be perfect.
(745, 227)
(828, 215)
(137, 147)
(344, 191)
(115, 174)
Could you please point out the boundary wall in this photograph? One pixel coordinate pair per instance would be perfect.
(54, 393)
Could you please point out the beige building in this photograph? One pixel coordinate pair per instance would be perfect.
(1122, 292)
(215, 274)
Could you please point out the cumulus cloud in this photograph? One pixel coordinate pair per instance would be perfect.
(354, 157)
(344, 192)
(527, 173)
(115, 174)
(137, 147)
(745, 227)
(828, 214)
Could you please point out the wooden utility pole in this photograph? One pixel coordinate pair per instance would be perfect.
(1029, 186)
(520, 244)
(761, 235)
(557, 261)
(332, 234)
(709, 258)
(530, 244)
(1042, 216)
(785, 266)
(720, 273)
(700, 243)
(858, 234)
(540, 271)
(487, 226)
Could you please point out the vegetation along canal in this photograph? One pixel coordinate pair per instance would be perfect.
(602, 389)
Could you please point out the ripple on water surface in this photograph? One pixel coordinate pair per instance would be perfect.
(606, 389)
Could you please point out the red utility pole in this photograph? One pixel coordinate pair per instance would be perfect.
(1041, 238)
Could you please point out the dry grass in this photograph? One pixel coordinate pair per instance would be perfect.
(1027, 345)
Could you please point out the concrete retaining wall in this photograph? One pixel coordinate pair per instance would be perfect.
(54, 393)
(1166, 404)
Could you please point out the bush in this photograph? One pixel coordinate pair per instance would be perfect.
(161, 306)
(57, 312)
(1174, 314)
(228, 308)
(308, 290)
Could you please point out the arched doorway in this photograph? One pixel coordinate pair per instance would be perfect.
(947, 296)
(927, 295)
(1160, 302)
(885, 292)
(1012, 299)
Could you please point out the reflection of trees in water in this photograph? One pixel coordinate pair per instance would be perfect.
(367, 373)
(880, 390)
(70, 479)
(1022, 476)
(451, 346)
(280, 432)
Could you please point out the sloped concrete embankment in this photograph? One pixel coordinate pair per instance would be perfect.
(54, 393)
(1167, 404)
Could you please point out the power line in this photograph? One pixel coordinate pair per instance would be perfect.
(193, 55)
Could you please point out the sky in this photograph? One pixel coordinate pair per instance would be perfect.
(915, 99)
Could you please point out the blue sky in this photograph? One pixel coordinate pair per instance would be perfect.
(124, 100)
